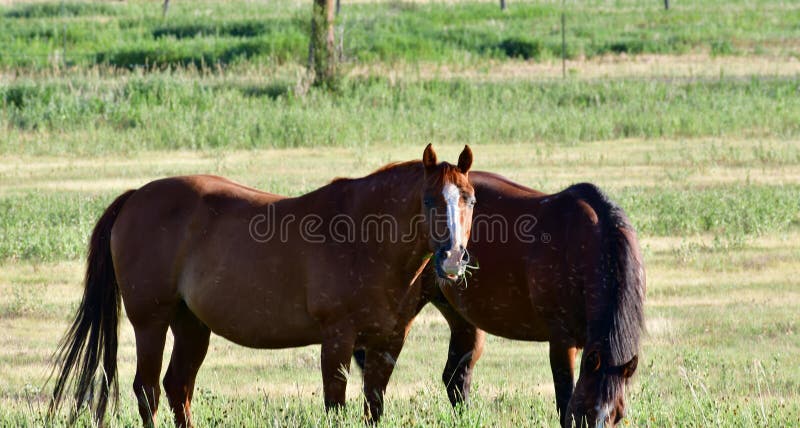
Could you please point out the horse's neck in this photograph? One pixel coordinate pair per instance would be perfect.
(395, 191)
(392, 195)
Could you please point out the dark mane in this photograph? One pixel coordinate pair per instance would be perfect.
(622, 323)
(398, 164)
(448, 171)
(389, 166)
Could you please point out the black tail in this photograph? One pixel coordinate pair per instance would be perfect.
(625, 277)
(93, 335)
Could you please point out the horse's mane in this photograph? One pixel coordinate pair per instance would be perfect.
(388, 167)
(448, 173)
(393, 165)
(623, 320)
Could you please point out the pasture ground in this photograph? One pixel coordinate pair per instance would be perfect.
(695, 133)
(722, 320)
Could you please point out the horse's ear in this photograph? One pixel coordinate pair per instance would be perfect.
(429, 157)
(630, 367)
(465, 160)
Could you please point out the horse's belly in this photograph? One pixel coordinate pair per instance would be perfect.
(264, 328)
(500, 309)
(268, 314)
(501, 323)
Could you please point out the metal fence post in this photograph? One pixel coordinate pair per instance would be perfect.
(563, 40)
(64, 34)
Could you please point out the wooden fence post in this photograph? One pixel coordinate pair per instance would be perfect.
(322, 48)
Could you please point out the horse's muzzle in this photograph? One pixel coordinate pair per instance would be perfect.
(452, 264)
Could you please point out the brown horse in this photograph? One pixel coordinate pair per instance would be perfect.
(202, 254)
(562, 268)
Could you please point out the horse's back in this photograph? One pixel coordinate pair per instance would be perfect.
(188, 239)
(159, 216)
(541, 270)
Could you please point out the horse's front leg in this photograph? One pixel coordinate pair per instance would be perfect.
(337, 348)
(383, 359)
(562, 364)
(466, 347)
(379, 362)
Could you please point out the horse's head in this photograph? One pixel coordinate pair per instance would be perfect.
(447, 202)
(599, 397)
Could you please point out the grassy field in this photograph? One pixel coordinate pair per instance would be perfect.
(209, 33)
(690, 119)
(132, 113)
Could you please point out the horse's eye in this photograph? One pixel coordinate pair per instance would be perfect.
(428, 202)
(593, 360)
(471, 202)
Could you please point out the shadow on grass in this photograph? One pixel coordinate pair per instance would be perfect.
(270, 90)
(520, 48)
(233, 29)
(182, 56)
(52, 10)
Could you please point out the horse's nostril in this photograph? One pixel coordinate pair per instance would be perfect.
(620, 416)
(447, 254)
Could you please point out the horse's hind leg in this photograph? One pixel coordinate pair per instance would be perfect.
(188, 351)
(150, 338)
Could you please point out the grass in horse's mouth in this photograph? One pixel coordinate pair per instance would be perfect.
(466, 269)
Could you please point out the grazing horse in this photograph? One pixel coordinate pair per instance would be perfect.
(201, 254)
(562, 268)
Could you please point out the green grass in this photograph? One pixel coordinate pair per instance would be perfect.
(133, 34)
(47, 226)
(168, 111)
(58, 10)
(729, 211)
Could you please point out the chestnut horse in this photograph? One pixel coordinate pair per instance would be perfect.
(201, 254)
(562, 268)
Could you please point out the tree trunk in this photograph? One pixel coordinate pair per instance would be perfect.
(502, 4)
(322, 48)
(666, 4)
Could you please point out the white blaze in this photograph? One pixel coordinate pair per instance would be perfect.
(452, 196)
(603, 411)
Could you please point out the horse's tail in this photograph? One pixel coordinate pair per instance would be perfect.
(92, 338)
(624, 275)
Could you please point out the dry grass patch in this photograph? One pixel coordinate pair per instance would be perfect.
(632, 162)
(645, 66)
